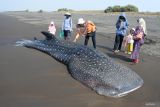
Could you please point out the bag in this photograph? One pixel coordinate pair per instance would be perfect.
(141, 41)
(61, 34)
(141, 37)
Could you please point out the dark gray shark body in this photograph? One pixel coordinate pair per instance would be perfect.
(90, 67)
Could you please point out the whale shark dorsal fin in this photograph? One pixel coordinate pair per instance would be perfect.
(48, 35)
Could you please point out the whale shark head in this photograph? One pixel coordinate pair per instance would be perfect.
(103, 74)
(119, 83)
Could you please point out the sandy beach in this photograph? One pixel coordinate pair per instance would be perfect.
(29, 78)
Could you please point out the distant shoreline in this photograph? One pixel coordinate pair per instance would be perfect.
(84, 12)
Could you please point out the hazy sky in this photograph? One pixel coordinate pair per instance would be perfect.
(53, 5)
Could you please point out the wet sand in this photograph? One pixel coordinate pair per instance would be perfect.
(29, 78)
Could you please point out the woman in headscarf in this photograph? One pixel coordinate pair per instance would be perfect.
(121, 29)
(138, 40)
(142, 23)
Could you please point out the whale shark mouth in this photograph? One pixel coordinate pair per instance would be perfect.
(113, 92)
(126, 92)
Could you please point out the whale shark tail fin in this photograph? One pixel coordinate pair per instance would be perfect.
(48, 35)
(24, 42)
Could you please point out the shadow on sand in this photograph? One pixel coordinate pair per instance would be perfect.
(119, 55)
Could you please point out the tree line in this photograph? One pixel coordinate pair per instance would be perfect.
(118, 8)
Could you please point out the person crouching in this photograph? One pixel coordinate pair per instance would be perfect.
(52, 28)
(88, 29)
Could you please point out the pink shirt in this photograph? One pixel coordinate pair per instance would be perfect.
(52, 29)
(129, 39)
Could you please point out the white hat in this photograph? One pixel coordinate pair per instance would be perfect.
(69, 14)
(133, 29)
(81, 21)
(52, 23)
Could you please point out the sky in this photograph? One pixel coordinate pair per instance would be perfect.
(53, 5)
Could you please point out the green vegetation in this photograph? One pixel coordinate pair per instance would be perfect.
(40, 11)
(117, 8)
(27, 10)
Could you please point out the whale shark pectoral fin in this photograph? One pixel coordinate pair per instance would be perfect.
(48, 35)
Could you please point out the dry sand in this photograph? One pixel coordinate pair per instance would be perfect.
(29, 78)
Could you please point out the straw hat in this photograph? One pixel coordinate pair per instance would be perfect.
(67, 14)
(81, 21)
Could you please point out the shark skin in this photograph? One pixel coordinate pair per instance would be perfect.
(91, 67)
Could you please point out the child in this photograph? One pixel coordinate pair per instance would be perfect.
(52, 28)
(129, 42)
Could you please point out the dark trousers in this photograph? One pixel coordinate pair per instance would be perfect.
(93, 35)
(67, 34)
(118, 42)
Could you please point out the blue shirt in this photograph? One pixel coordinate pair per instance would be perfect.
(122, 26)
(67, 24)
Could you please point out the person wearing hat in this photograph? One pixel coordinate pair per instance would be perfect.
(87, 29)
(80, 29)
(67, 26)
(52, 28)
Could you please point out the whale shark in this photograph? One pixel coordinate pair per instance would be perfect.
(91, 67)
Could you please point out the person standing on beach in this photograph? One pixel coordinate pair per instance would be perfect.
(67, 26)
(52, 28)
(121, 29)
(87, 29)
(143, 25)
(138, 40)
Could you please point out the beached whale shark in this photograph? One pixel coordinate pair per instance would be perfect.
(91, 67)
